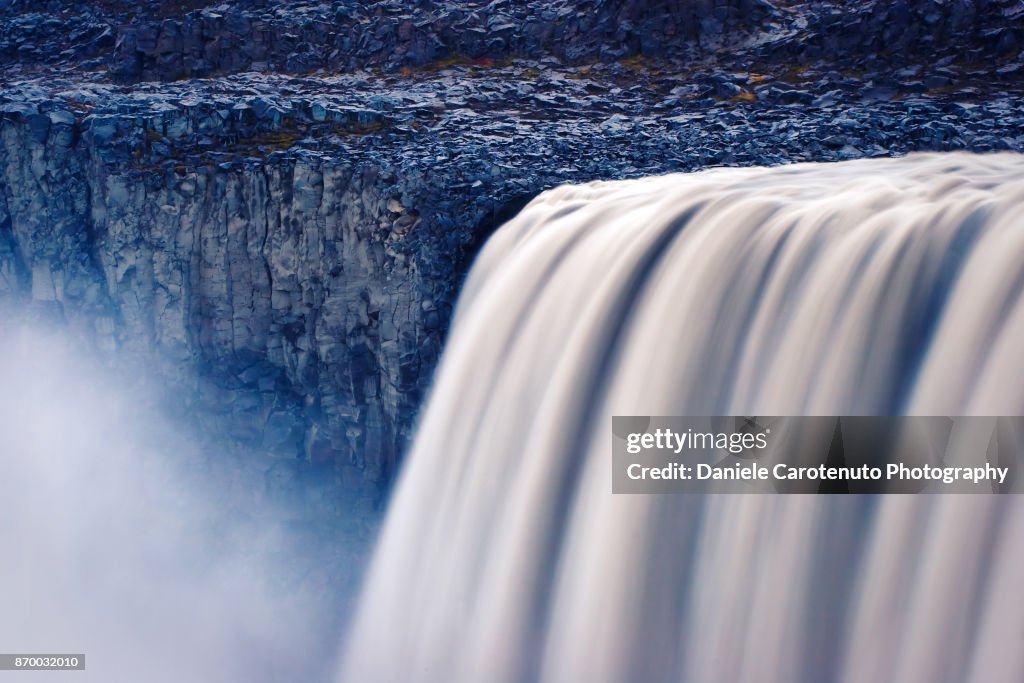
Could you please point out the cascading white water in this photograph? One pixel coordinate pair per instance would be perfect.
(855, 288)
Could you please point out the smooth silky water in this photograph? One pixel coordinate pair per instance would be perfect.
(858, 288)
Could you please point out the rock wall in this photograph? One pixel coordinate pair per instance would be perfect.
(167, 41)
(900, 32)
(299, 37)
(288, 285)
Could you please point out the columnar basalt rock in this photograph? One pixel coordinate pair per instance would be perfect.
(287, 285)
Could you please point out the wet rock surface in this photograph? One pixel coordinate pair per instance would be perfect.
(284, 240)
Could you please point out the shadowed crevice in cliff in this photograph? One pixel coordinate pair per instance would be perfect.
(502, 212)
(15, 278)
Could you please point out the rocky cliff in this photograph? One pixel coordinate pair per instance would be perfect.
(274, 203)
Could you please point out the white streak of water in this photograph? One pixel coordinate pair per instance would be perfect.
(856, 288)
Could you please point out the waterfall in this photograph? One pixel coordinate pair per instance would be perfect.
(869, 287)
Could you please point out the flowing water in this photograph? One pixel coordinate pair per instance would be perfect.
(856, 288)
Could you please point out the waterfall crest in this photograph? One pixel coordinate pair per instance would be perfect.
(866, 287)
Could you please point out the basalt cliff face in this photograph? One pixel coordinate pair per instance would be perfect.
(273, 204)
(294, 300)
